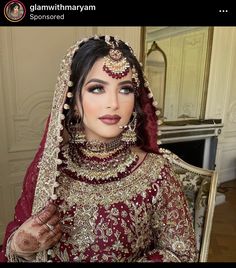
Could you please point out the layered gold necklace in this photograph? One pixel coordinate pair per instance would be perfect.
(97, 162)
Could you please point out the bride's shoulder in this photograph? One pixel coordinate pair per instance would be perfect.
(153, 158)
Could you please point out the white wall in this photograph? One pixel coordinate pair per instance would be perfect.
(221, 99)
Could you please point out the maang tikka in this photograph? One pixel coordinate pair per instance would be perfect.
(116, 65)
(129, 133)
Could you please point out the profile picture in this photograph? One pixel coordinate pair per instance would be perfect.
(14, 11)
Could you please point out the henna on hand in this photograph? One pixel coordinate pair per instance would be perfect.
(34, 235)
(27, 242)
(47, 213)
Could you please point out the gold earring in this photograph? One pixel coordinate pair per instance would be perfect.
(78, 135)
(129, 134)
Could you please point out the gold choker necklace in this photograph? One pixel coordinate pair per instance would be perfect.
(102, 147)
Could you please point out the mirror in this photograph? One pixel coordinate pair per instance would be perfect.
(155, 69)
(176, 63)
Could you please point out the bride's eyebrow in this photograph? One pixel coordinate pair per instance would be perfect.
(125, 82)
(97, 81)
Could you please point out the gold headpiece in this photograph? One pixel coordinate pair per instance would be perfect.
(116, 65)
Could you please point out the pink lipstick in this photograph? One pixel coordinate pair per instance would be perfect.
(110, 119)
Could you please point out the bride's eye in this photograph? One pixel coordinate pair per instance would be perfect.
(96, 89)
(127, 90)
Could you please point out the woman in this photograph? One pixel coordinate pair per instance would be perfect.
(99, 188)
(14, 11)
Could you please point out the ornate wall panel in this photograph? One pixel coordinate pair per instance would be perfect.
(227, 169)
(222, 58)
(31, 62)
(221, 100)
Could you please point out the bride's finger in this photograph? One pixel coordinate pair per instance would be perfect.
(44, 216)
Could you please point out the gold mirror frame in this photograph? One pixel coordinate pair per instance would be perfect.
(162, 61)
(143, 58)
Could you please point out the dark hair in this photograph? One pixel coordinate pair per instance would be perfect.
(13, 5)
(83, 60)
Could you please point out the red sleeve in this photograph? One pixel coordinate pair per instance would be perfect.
(24, 205)
(174, 237)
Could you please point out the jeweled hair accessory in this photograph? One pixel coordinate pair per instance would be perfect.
(135, 77)
(116, 65)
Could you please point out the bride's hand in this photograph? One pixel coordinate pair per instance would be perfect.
(39, 232)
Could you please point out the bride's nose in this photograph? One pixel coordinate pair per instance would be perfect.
(112, 100)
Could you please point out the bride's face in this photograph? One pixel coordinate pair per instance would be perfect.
(107, 103)
(16, 10)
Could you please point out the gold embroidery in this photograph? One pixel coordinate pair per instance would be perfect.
(113, 192)
(119, 220)
(88, 227)
(48, 165)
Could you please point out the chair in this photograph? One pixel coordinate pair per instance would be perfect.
(200, 187)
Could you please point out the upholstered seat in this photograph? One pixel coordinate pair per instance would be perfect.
(200, 186)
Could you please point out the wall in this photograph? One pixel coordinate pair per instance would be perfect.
(221, 99)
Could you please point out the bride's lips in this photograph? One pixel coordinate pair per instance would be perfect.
(110, 119)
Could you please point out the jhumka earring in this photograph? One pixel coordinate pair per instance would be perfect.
(129, 134)
(78, 136)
